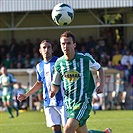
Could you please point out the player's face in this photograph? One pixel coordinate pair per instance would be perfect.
(67, 46)
(46, 50)
(3, 70)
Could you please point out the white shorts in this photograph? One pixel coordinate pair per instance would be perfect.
(55, 116)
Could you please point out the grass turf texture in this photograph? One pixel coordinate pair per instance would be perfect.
(34, 122)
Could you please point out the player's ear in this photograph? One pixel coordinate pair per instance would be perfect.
(39, 51)
(74, 45)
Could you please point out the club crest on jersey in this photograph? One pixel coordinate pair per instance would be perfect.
(72, 76)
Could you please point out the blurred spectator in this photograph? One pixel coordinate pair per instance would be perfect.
(3, 49)
(101, 44)
(56, 49)
(97, 99)
(8, 62)
(128, 72)
(124, 50)
(2, 54)
(36, 59)
(19, 61)
(29, 47)
(17, 91)
(116, 58)
(34, 49)
(27, 61)
(81, 43)
(119, 66)
(90, 44)
(103, 59)
(131, 45)
(37, 43)
(120, 90)
(27, 64)
(19, 65)
(21, 47)
(127, 57)
(109, 65)
(83, 49)
(38, 103)
(120, 44)
(13, 48)
(95, 54)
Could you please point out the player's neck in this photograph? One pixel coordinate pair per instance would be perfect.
(70, 56)
(47, 59)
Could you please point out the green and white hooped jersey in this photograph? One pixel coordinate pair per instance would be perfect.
(5, 80)
(76, 75)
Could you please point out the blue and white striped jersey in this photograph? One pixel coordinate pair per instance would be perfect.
(44, 72)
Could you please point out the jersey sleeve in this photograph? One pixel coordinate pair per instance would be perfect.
(56, 76)
(12, 78)
(37, 73)
(93, 64)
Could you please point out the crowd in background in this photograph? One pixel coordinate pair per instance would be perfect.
(116, 55)
(25, 53)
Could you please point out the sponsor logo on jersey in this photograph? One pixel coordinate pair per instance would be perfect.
(72, 76)
(76, 107)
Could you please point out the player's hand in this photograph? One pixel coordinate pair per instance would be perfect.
(21, 97)
(51, 94)
(99, 89)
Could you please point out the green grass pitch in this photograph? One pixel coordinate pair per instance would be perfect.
(34, 122)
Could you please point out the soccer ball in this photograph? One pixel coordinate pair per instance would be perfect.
(62, 14)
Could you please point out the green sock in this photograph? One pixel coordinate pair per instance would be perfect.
(96, 131)
(9, 111)
(14, 107)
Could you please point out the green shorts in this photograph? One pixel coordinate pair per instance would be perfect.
(7, 98)
(81, 111)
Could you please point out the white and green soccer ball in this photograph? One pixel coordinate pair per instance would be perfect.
(62, 14)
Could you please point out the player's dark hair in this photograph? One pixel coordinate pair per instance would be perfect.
(68, 34)
(47, 41)
(3, 66)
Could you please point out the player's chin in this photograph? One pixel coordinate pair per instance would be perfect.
(65, 52)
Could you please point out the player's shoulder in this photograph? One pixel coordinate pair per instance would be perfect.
(84, 55)
(10, 75)
(54, 58)
(60, 59)
(40, 63)
(88, 55)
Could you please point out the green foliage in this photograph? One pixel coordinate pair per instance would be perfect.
(34, 122)
(112, 18)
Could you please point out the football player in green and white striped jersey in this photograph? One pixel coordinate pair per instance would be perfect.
(7, 80)
(74, 70)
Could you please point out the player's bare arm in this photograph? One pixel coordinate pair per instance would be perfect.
(34, 89)
(54, 90)
(101, 86)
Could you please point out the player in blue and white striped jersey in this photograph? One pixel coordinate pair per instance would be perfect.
(54, 107)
